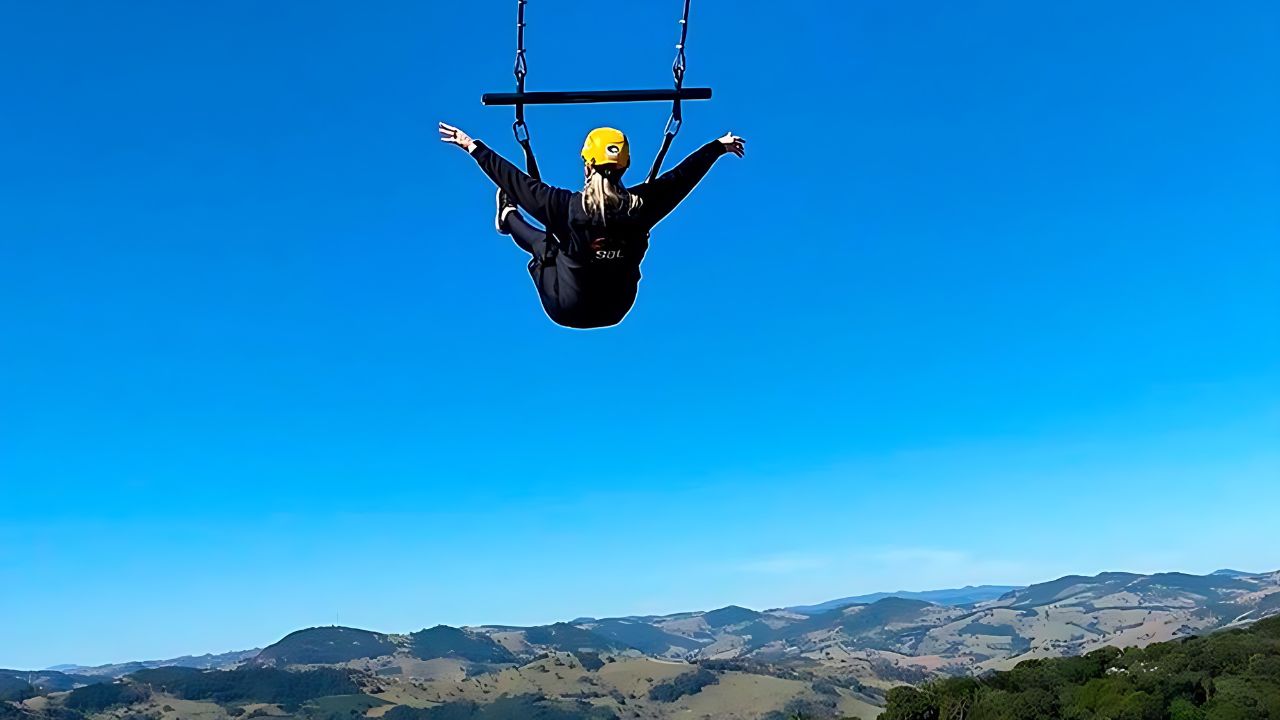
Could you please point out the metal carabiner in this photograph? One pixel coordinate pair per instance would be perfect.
(521, 130)
(673, 126)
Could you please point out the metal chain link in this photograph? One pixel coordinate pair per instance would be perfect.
(676, 120)
(521, 64)
(520, 129)
(677, 72)
(678, 67)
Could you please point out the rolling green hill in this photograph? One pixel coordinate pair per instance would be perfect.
(325, 646)
(642, 636)
(443, 641)
(566, 637)
(730, 615)
(46, 680)
(524, 707)
(248, 685)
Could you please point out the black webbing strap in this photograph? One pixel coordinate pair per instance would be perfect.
(520, 128)
(673, 123)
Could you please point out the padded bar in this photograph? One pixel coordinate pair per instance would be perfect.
(575, 97)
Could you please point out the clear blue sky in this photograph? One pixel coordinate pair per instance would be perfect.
(994, 297)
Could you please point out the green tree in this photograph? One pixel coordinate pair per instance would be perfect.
(1183, 709)
(908, 703)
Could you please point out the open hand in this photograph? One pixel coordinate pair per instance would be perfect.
(454, 136)
(734, 144)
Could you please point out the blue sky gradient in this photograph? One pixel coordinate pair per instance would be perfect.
(994, 297)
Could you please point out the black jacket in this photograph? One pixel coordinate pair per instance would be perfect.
(591, 273)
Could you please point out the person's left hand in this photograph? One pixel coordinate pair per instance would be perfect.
(734, 144)
(454, 136)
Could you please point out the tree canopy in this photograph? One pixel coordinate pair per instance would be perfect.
(1229, 675)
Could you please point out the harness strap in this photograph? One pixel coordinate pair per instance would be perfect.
(674, 122)
(520, 128)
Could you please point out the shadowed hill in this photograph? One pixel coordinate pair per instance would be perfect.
(253, 684)
(731, 615)
(44, 680)
(325, 645)
(11, 688)
(1070, 585)
(881, 613)
(643, 637)
(443, 641)
(570, 638)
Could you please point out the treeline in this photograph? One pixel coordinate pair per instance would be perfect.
(11, 688)
(824, 707)
(96, 698)
(9, 711)
(1228, 675)
(82, 702)
(789, 671)
(681, 685)
(520, 707)
(258, 685)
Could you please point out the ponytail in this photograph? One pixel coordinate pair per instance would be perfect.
(604, 194)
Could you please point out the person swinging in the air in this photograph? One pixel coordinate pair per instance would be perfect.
(586, 264)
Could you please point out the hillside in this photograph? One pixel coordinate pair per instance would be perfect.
(443, 641)
(325, 646)
(553, 687)
(26, 682)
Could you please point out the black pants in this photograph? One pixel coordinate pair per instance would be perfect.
(560, 300)
(529, 238)
(542, 267)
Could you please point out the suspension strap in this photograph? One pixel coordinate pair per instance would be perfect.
(677, 72)
(519, 127)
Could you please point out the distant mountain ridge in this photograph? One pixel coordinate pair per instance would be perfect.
(833, 660)
(968, 595)
(959, 629)
(208, 661)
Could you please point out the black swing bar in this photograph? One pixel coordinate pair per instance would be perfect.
(578, 97)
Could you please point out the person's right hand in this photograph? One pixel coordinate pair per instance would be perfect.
(454, 136)
(734, 144)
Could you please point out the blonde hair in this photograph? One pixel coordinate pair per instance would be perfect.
(604, 193)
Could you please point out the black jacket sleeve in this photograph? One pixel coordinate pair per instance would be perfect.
(670, 188)
(548, 205)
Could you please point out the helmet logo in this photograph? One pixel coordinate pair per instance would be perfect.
(613, 150)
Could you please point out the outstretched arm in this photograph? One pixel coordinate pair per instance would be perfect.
(543, 202)
(670, 188)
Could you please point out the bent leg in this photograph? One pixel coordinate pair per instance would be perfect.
(528, 237)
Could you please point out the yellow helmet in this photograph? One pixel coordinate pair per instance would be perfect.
(606, 146)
